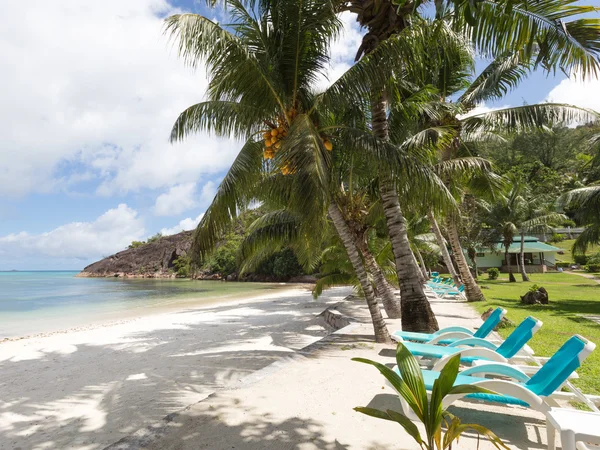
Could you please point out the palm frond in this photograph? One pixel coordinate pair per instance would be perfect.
(501, 76)
(233, 194)
(528, 117)
(221, 117)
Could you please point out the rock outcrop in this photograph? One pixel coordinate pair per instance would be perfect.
(152, 260)
(537, 297)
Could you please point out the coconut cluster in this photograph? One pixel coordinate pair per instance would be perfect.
(275, 134)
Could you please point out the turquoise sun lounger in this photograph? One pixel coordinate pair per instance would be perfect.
(534, 392)
(451, 334)
(473, 349)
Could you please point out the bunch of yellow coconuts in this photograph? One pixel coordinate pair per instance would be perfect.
(275, 134)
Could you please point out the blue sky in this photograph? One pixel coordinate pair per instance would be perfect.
(93, 88)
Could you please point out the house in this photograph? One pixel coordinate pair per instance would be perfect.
(538, 256)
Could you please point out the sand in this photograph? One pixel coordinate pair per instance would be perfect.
(307, 403)
(87, 388)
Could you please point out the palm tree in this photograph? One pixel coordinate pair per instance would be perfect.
(260, 90)
(496, 30)
(513, 215)
(585, 203)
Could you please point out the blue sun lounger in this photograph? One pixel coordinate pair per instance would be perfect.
(451, 334)
(473, 349)
(534, 392)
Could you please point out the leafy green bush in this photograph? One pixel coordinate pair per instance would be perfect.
(564, 265)
(285, 264)
(136, 244)
(224, 259)
(557, 237)
(409, 384)
(594, 259)
(493, 273)
(592, 268)
(534, 287)
(154, 238)
(580, 259)
(183, 266)
(569, 223)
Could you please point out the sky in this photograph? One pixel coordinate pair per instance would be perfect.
(89, 93)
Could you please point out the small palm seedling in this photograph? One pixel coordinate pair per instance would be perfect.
(410, 386)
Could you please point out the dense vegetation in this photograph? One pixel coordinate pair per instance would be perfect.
(389, 164)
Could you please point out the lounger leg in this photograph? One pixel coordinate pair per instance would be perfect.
(567, 440)
(551, 434)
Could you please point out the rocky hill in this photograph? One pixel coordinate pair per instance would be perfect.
(151, 260)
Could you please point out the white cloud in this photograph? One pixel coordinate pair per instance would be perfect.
(576, 92)
(343, 50)
(183, 225)
(178, 199)
(111, 232)
(183, 197)
(94, 88)
(481, 109)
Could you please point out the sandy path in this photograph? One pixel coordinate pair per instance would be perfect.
(86, 389)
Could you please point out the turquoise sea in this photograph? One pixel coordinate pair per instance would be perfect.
(38, 302)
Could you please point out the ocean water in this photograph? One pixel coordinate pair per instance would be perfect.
(39, 302)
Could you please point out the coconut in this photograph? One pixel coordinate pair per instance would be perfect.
(328, 145)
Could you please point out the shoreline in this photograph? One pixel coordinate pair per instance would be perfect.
(140, 312)
(87, 388)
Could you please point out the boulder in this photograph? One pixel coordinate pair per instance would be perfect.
(536, 297)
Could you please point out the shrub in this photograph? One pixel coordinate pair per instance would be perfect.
(533, 288)
(564, 265)
(285, 264)
(493, 273)
(183, 266)
(557, 237)
(136, 244)
(154, 238)
(224, 259)
(580, 259)
(591, 268)
(594, 259)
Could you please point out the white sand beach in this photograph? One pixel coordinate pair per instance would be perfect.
(307, 403)
(85, 389)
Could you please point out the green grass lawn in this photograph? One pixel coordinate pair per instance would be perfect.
(570, 297)
(566, 246)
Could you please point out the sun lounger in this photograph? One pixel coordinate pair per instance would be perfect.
(472, 349)
(451, 334)
(534, 392)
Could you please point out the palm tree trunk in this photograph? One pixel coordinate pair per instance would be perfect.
(511, 277)
(472, 290)
(422, 263)
(443, 248)
(416, 310)
(522, 258)
(379, 327)
(390, 303)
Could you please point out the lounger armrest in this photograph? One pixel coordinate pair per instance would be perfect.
(504, 387)
(499, 369)
(477, 352)
(449, 329)
(449, 335)
(473, 341)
